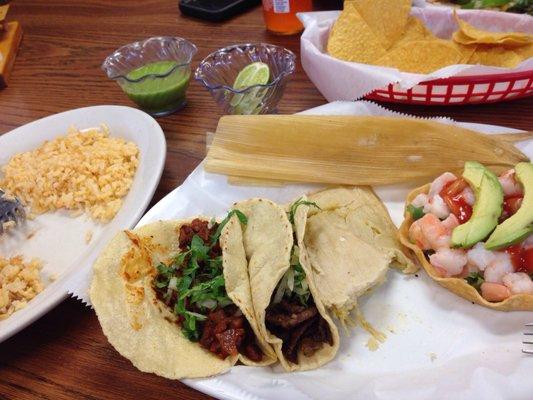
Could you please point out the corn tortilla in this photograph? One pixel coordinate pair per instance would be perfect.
(138, 325)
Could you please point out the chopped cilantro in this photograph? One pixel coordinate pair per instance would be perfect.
(475, 279)
(198, 249)
(242, 218)
(416, 212)
(301, 288)
(198, 280)
(293, 284)
(298, 203)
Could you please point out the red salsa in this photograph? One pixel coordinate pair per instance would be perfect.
(521, 258)
(452, 194)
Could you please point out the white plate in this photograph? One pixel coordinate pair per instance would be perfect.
(59, 240)
(438, 345)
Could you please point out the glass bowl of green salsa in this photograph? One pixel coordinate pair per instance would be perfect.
(154, 73)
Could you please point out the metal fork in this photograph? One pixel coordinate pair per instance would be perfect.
(11, 210)
(526, 341)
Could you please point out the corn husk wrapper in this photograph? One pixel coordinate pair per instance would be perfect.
(349, 150)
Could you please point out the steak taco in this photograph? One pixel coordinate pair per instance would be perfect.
(289, 314)
(474, 234)
(174, 298)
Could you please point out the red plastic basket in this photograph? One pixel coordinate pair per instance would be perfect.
(474, 89)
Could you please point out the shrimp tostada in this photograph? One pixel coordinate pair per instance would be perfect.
(290, 315)
(474, 234)
(174, 298)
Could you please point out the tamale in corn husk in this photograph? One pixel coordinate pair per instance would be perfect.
(351, 150)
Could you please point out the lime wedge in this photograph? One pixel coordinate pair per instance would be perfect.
(256, 73)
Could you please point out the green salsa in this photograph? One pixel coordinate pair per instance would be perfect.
(154, 94)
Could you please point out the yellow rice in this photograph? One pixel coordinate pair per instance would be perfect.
(19, 283)
(81, 172)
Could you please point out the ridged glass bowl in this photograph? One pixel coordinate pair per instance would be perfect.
(217, 72)
(154, 73)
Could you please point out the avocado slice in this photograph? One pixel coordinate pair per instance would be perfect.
(487, 208)
(519, 226)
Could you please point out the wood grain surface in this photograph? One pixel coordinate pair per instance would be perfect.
(64, 355)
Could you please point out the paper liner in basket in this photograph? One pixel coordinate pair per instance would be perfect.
(343, 80)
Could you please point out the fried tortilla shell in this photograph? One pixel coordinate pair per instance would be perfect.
(459, 286)
(268, 241)
(143, 329)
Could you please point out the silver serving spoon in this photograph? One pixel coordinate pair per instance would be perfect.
(11, 211)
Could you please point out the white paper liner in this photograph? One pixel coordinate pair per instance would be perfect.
(439, 346)
(343, 80)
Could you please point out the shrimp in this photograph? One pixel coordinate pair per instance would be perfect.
(438, 184)
(509, 184)
(498, 268)
(480, 257)
(494, 291)
(468, 195)
(518, 282)
(450, 223)
(436, 206)
(420, 200)
(452, 261)
(430, 233)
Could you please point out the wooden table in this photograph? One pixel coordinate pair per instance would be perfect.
(64, 355)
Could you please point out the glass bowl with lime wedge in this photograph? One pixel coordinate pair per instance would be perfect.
(247, 78)
(154, 73)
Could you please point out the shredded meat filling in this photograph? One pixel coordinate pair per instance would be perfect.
(286, 318)
(301, 328)
(225, 332)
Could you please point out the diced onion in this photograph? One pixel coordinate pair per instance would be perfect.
(209, 303)
(280, 291)
(173, 283)
(289, 276)
(198, 316)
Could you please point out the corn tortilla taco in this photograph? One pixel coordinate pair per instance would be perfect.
(289, 314)
(174, 298)
(351, 243)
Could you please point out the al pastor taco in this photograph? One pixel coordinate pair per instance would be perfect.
(174, 298)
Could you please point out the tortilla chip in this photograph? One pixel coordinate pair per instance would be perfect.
(386, 20)
(414, 30)
(268, 241)
(466, 51)
(459, 286)
(525, 52)
(421, 56)
(467, 34)
(495, 56)
(351, 39)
